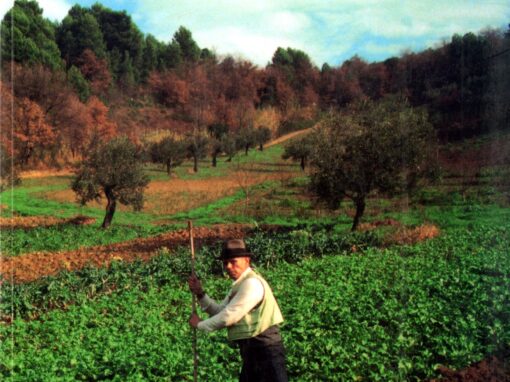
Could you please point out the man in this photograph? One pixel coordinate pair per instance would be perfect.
(249, 312)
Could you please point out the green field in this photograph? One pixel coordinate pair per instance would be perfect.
(380, 314)
(357, 307)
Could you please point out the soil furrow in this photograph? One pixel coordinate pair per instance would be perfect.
(31, 266)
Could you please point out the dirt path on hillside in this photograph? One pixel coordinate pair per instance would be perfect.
(286, 137)
(31, 266)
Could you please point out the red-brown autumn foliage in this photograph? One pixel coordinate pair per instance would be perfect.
(237, 80)
(276, 90)
(308, 97)
(101, 128)
(75, 126)
(223, 111)
(49, 89)
(340, 86)
(243, 113)
(168, 89)
(31, 133)
(128, 123)
(234, 92)
(96, 71)
(306, 83)
(453, 80)
(374, 80)
(6, 117)
(60, 106)
(199, 105)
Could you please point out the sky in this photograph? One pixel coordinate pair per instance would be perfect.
(329, 31)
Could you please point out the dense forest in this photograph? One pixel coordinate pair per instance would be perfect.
(68, 85)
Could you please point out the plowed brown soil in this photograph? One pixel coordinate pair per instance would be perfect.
(493, 369)
(31, 266)
(34, 265)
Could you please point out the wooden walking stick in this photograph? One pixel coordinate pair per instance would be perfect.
(193, 304)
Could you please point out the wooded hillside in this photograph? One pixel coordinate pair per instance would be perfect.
(95, 75)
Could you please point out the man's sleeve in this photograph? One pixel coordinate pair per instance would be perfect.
(210, 306)
(250, 293)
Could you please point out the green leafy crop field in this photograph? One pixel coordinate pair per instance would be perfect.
(380, 314)
(358, 306)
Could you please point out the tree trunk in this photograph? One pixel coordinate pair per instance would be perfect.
(303, 163)
(169, 167)
(110, 207)
(360, 208)
(261, 147)
(195, 164)
(246, 148)
(214, 160)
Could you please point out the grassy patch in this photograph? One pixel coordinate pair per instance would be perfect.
(184, 195)
(27, 201)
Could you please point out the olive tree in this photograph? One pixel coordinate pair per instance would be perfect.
(384, 146)
(196, 147)
(262, 136)
(215, 149)
(229, 145)
(246, 138)
(169, 152)
(217, 132)
(299, 149)
(114, 170)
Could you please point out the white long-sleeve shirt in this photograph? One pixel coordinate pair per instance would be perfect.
(227, 313)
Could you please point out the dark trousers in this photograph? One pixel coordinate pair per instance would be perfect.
(263, 361)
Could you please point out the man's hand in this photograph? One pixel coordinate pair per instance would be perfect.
(194, 320)
(195, 286)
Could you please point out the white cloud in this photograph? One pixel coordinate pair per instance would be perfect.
(55, 9)
(5, 6)
(241, 43)
(288, 22)
(52, 9)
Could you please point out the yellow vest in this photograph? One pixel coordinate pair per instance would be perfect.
(266, 314)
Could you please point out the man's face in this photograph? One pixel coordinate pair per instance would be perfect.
(236, 266)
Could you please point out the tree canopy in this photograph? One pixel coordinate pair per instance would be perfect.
(384, 146)
(169, 152)
(196, 146)
(79, 31)
(299, 149)
(28, 37)
(114, 170)
(188, 47)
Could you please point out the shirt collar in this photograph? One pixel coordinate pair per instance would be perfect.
(242, 275)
